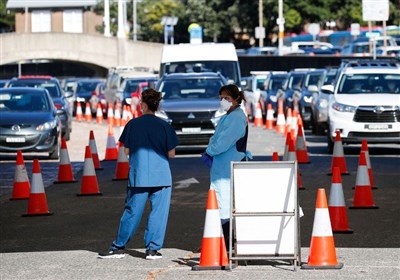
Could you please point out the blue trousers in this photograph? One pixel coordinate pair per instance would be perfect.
(135, 203)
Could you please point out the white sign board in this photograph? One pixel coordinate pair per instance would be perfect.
(375, 10)
(260, 32)
(264, 199)
(314, 29)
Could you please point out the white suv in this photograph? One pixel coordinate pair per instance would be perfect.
(365, 102)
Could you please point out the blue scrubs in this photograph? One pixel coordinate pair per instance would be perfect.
(149, 139)
(223, 148)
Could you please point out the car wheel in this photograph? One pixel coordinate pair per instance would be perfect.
(55, 154)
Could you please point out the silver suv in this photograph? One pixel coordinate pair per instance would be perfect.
(365, 102)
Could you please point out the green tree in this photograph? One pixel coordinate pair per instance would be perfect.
(7, 18)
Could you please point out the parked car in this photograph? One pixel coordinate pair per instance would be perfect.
(272, 84)
(365, 103)
(3, 83)
(131, 85)
(84, 89)
(190, 104)
(319, 103)
(302, 99)
(390, 51)
(294, 82)
(254, 92)
(29, 121)
(98, 98)
(60, 99)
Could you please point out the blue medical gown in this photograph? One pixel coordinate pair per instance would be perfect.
(222, 147)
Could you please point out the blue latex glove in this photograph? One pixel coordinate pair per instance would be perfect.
(207, 159)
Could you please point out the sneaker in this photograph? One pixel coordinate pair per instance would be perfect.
(153, 255)
(112, 254)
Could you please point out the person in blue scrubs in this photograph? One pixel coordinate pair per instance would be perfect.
(149, 143)
(228, 144)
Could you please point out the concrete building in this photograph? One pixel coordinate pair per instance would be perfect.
(55, 16)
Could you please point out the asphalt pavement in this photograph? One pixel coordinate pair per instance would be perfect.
(46, 247)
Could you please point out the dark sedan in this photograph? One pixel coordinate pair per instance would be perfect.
(29, 121)
(190, 104)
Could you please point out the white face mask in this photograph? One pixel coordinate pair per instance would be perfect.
(225, 105)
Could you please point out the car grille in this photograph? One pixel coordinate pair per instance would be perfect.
(201, 119)
(374, 135)
(381, 114)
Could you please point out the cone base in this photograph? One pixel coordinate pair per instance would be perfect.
(119, 179)
(364, 207)
(200, 268)
(88, 194)
(19, 198)
(345, 173)
(65, 182)
(338, 266)
(344, 231)
(98, 168)
(37, 214)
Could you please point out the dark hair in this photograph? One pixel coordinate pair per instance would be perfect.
(152, 98)
(234, 92)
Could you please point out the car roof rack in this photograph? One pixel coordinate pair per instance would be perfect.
(371, 63)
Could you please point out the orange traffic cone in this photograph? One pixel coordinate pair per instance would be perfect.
(89, 184)
(110, 115)
(93, 150)
(292, 157)
(213, 254)
(117, 115)
(275, 156)
(37, 203)
(122, 168)
(363, 193)
(269, 121)
(338, 159)
(364, 148)
(280, 118)
(294, 124)
(111, 147)
(99, 114)
(322, 248)
(78, 113)
(258, 120)
(288, 124)
(125, 115)
(88, 112)
(301, 146)
(21, 188)
(65, 174)
(337, 206)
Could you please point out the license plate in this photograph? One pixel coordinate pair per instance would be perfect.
(191, 129)
(378, 126)
(15, 139)
(80, 99)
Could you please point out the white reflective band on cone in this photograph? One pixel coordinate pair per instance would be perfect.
(362, 178)
(37, 183)
(322, 223)
(336, 195)
(64, 157)
(338, 149)
(93, 147)
(212, 227)
(20, 174)
(88, 168)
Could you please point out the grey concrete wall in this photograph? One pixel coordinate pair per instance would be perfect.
(99, 50)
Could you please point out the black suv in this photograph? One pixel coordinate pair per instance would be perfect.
(190, 104)
(52, 85)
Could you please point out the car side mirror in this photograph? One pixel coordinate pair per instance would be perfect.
(68, 94)
(327, 89)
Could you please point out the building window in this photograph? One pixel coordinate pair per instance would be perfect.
(41, 21)
(72, 21)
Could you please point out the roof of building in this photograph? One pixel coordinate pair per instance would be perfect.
(16, 4)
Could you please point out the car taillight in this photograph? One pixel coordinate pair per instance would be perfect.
(58, 106)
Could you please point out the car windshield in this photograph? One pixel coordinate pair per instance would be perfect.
(275, 83)
(313, 79)
(370, 83)
(23, 102)
(50, 86)
(190, 88)
(83, 87)
(295, 81)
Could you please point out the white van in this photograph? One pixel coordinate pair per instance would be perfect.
(206, 57)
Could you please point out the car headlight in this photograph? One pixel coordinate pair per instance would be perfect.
(273, 98)
(343, 108)
(323, 103)
(163, 115)
(47, 125)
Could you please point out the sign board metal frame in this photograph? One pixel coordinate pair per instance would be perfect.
(264, 218)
